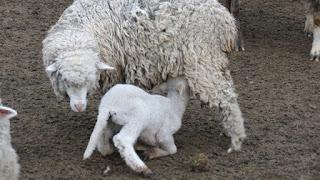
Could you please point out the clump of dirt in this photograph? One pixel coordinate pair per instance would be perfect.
(200, 163)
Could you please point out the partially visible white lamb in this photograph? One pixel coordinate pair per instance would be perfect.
(151, 118)
(9, 167)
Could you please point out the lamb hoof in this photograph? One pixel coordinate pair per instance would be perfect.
(149, 174)
(149, 154)
(145, 155)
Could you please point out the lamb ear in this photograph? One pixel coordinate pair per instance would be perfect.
(180, 88)
(51, 68)
(160, 89)
(7, 112)
(104, 66)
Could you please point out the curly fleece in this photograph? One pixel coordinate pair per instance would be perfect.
(148, 41)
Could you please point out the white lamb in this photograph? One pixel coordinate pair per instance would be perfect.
(151, 118)
(9, 167)
(145, 41)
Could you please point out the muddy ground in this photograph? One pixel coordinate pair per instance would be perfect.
(279, 94)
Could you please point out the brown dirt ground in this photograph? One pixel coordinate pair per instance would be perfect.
(278, 93)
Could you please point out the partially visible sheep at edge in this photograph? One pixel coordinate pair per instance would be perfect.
(151, 118)
(146, 42)
(9, 167)
(312, 26)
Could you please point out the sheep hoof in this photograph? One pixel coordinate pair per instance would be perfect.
(308, 34)
(239, 46)
(315, 58)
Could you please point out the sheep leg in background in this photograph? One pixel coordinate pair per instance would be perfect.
(104, 146)
(234, 8)
(315, 50)
(308, 28)
(167, 147)
(125, 141)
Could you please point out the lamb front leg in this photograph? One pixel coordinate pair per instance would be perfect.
(315, 50)
(167, 147)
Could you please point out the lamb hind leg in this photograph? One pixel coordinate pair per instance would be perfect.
(167, 147)
(124, 141)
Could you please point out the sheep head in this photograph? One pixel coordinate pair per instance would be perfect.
(75, 76)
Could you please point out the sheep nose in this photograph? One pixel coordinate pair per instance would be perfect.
(79, 107)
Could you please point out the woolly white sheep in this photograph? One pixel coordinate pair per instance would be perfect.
(9, 167)
(312, 25)
(151, 118)
(146, 41)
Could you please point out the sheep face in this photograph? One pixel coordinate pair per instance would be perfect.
(6, 113)
(75, 77)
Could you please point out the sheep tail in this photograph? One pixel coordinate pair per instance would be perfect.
(101, 124)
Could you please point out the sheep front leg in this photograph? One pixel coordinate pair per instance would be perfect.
(104, 146)
(315, 50)
(125, 141)
(233, 123)
(167, 147)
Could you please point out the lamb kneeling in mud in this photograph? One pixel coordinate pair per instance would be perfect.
(153, 119)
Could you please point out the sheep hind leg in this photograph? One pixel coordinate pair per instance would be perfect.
(233, 123)
(104, 146)
(315, 50)
(125, 141)
(167, 147)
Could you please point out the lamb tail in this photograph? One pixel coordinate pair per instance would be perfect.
(101, 124)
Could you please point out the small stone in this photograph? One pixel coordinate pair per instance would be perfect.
(107, 170)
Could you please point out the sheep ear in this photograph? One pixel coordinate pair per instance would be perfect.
(180, 88)
(51, 68)
(6, 112)
(104, 66)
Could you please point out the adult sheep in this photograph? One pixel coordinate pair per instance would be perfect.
(146, 42)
